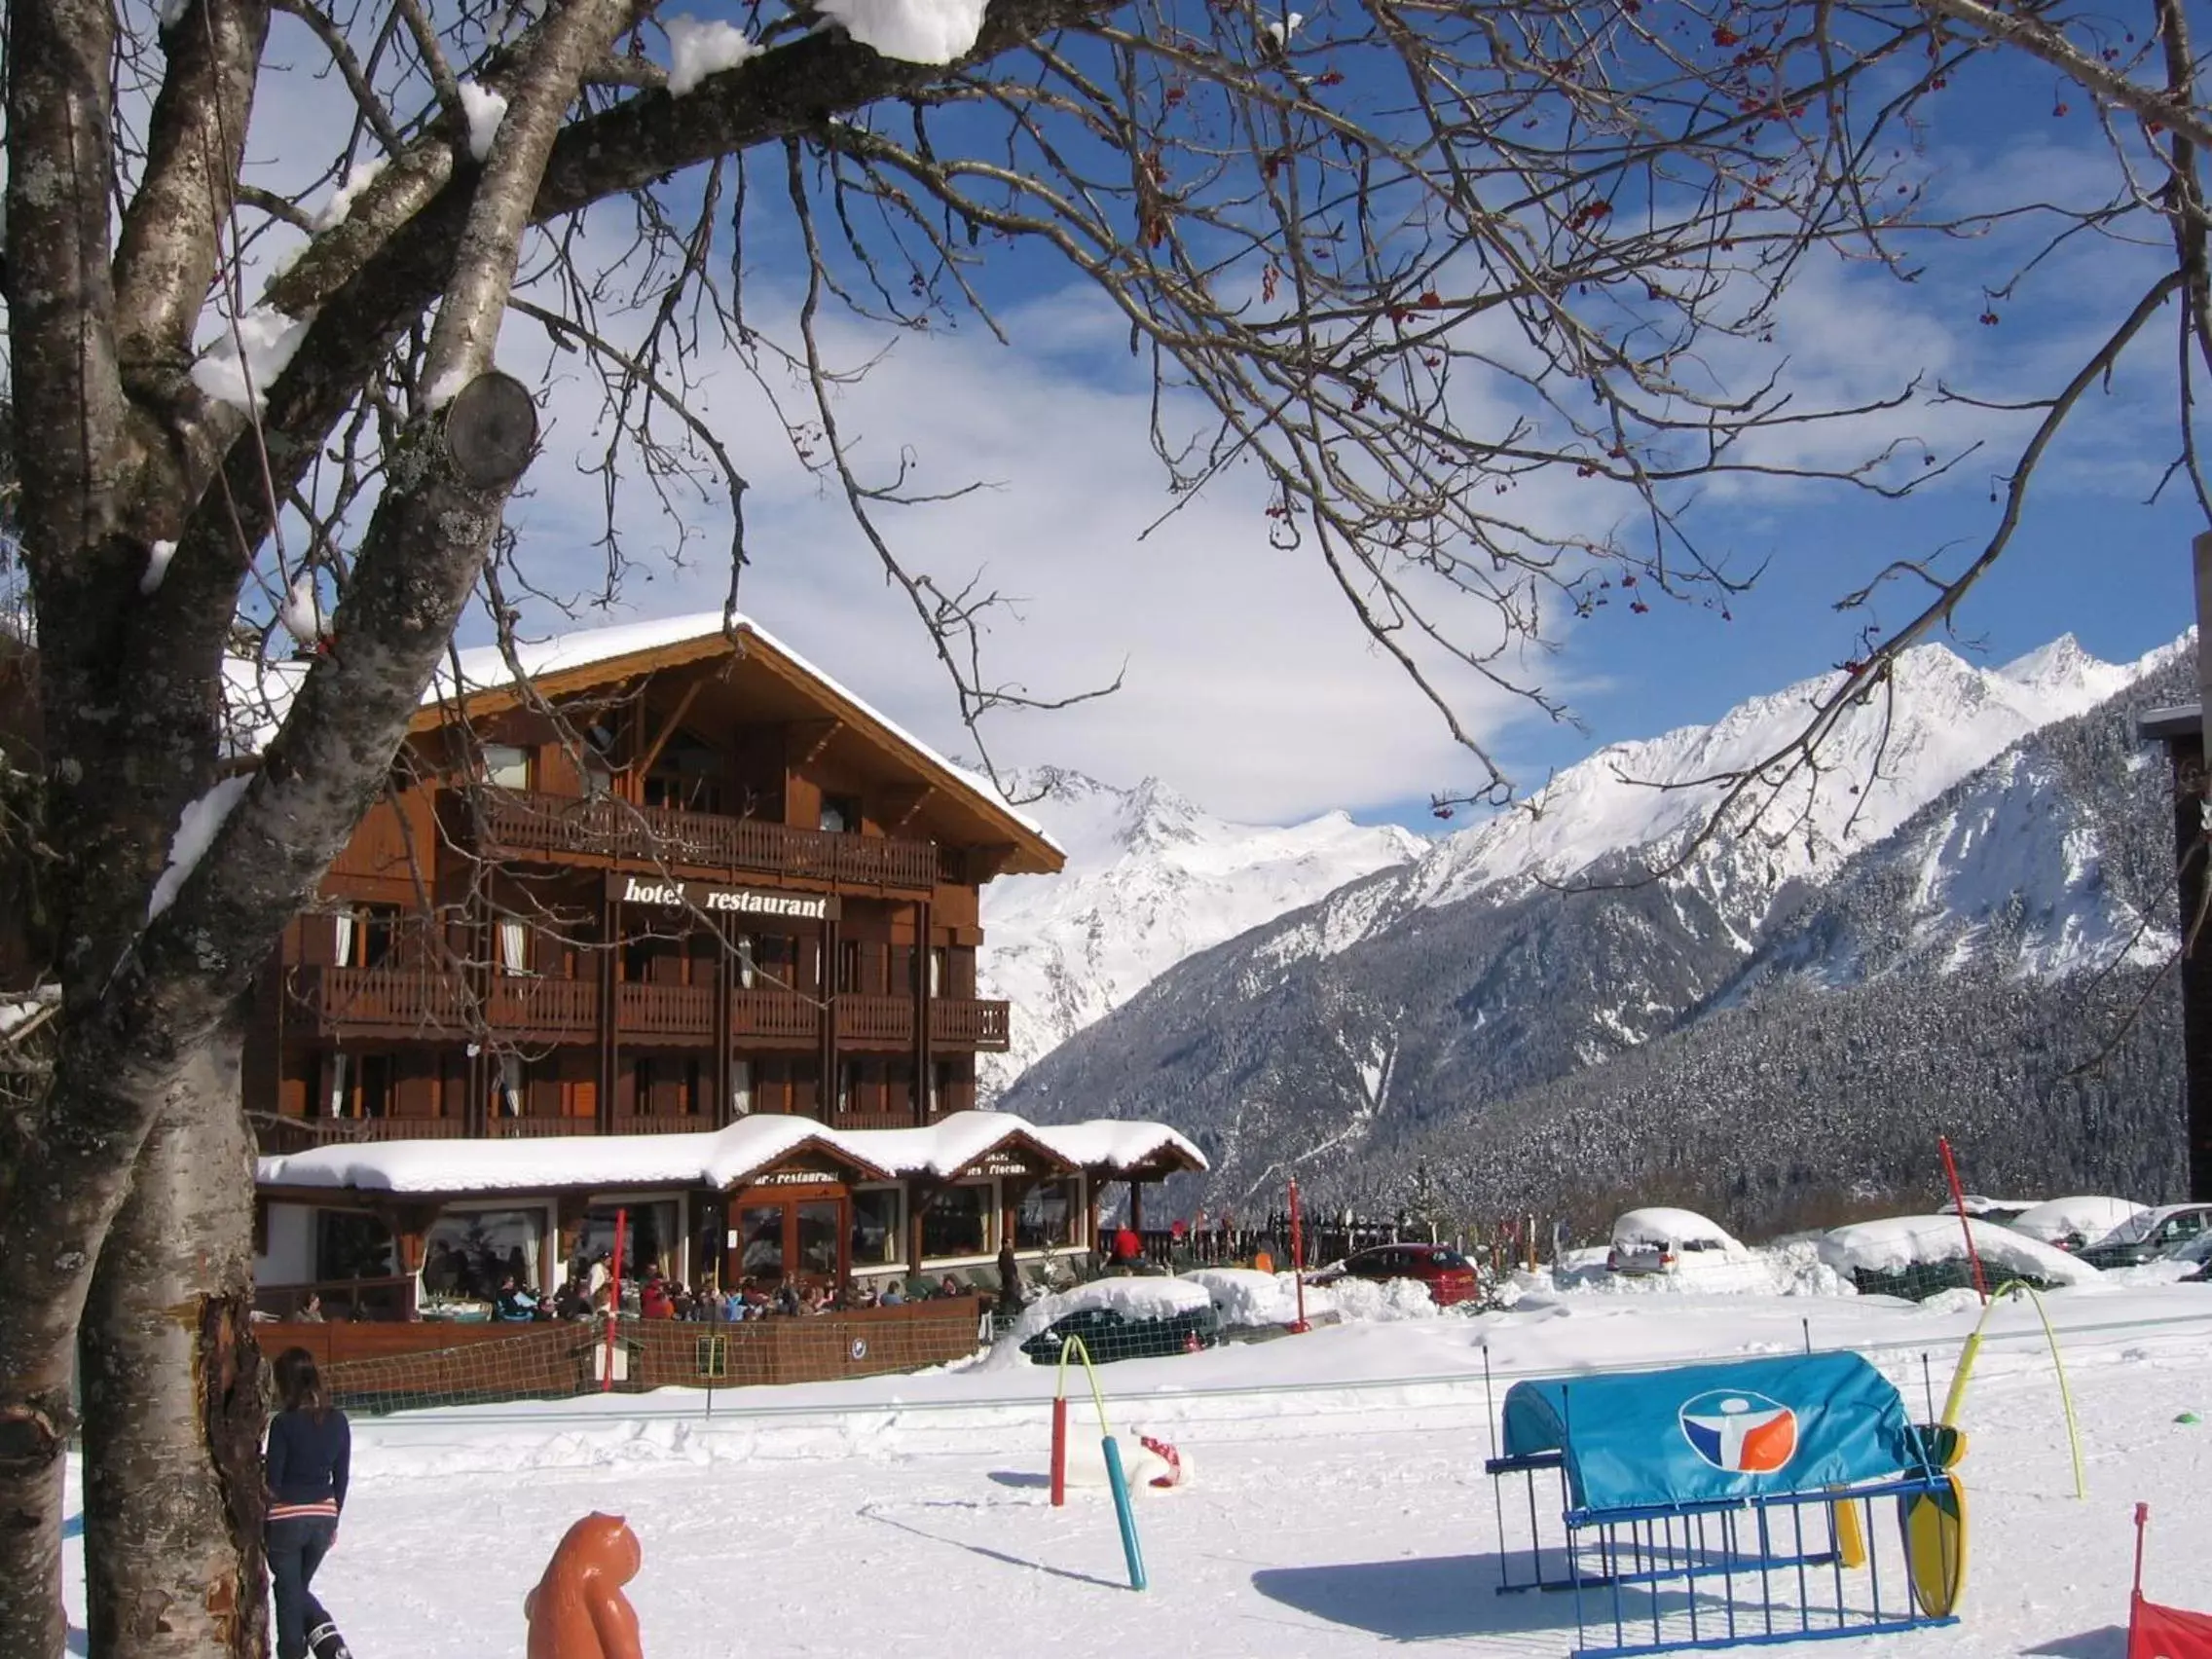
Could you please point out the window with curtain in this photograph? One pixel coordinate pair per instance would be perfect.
(740, 1088)
(514, 1082)
(747, 969)
(514, 945)
(342, 939)
(506, 766)
(959, 1222)
(337, 1104)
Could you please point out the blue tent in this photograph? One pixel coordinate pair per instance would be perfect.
(1698, 1434)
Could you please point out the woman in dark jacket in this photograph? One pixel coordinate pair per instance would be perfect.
(310, 1448)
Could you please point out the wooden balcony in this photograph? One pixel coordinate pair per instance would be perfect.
(524, 824)
(433, 1003)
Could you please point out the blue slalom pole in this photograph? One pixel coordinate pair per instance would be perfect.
(1120, 1481)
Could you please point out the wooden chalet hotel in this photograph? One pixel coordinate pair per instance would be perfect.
(675, 928)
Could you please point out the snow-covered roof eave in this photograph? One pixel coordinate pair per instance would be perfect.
(260, 692)
(721, 1159)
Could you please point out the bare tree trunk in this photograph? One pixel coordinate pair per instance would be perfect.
(171, 1390)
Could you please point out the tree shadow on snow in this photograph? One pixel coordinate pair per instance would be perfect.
(1016, 1478)
(1424, 1599)
(2108, 1642)
(80, 1641)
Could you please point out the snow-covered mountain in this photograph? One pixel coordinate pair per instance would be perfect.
(1980, 823)
(1150, 879)
(1636, 805)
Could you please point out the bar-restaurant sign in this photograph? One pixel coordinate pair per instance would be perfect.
(721, 901)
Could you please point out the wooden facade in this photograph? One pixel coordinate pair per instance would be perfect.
(656, 891)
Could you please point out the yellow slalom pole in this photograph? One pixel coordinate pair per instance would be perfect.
(1956, 1399)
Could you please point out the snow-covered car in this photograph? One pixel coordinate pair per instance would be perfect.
(1677, 1242)
(1108, 1335)
(1118, 1318)
(2073, 1222)
(1916, 1256)
(2149, 1234)
(2197, 1253)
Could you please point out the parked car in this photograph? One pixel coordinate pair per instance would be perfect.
(2197, 1252)
(1677, 1242)
(1449, 1277)
(2149, 1234)
(1109, 1333)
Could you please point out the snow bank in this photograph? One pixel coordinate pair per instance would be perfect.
(2088, 1216)
(1900, 1242)
(1245, 1299)
(1387, 1302)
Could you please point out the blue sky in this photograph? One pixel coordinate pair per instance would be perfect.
(1249, 687)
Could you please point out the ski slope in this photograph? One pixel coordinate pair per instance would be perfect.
(1337, 1504)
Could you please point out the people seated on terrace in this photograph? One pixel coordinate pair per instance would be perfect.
(570, 1303)
(951, 1286)
(653, 1302)
(820, 1299)
(513, 1305)
(894, 1294)
(311, 1310)
(788, 1298)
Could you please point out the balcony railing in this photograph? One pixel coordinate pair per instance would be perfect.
(528, 822)
(400, 1002)
(304, 1135)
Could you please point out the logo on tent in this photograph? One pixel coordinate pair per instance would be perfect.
(1744, 1434)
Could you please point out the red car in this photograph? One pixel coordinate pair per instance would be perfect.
(1449, 1277)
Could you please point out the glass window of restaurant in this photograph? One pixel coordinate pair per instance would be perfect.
(879, 1230)
(353, 1244)
(960, 1222)
(759, 1230)
(653, 1237)
(468, 1252)
(1046, 1220)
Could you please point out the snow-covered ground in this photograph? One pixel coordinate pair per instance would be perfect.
(1337, 1504)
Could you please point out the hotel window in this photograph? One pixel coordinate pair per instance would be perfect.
(747, 969)
(740, 1088)
(342, 939)
(514, 1084)
(514, 945)
(337, 1104)
(879, 1233)
(377, 931)
(959, 1222)
(376, 1078)
(650, 1238)
(1046, 1220)
(506, 766)
(686, 775)
(841, 815)
(937, 971)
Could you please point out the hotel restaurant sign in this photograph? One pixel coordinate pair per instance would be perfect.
(706, 896)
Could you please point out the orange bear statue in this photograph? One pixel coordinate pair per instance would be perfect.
(578, 1610)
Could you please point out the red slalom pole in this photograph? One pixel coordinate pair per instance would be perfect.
(1059, 1451)
(1959, 1202)
(613, 1303)
(1298, 1257)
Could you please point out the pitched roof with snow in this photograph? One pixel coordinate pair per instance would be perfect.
(260, 693)
(725, 1157)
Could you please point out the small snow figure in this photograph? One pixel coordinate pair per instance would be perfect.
(578, 1610)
